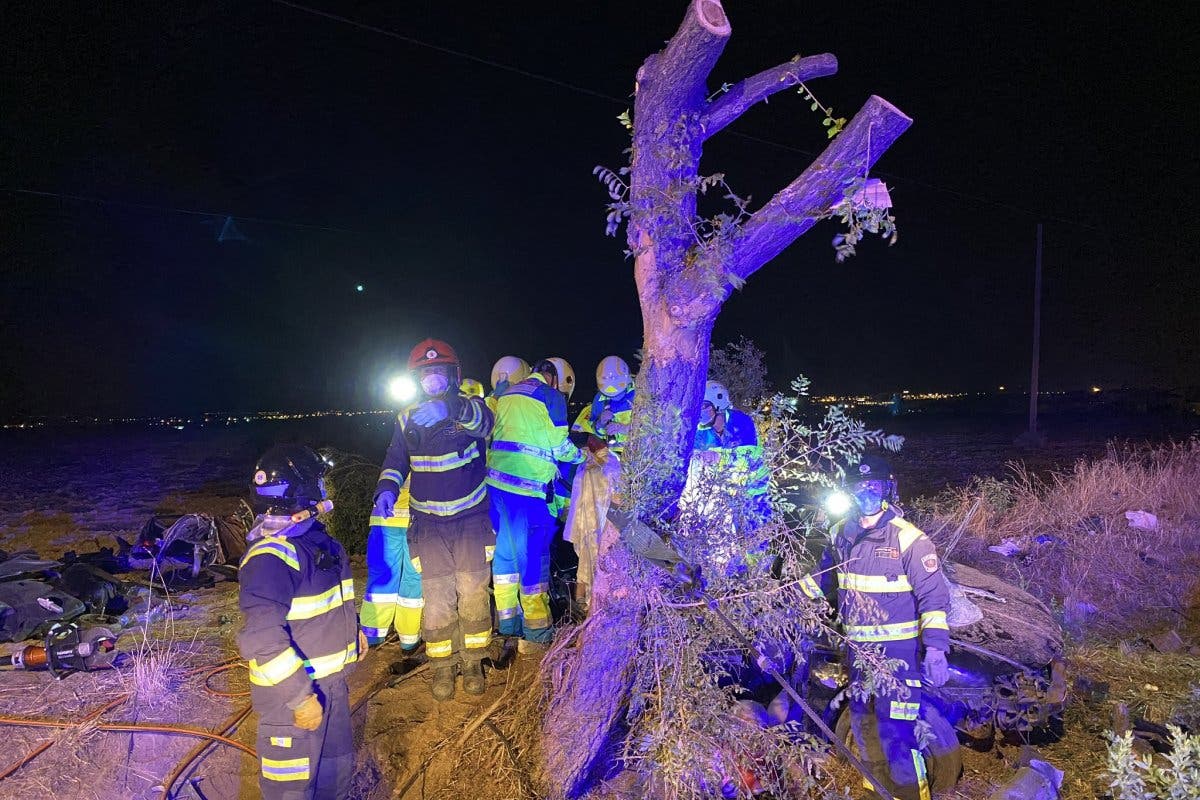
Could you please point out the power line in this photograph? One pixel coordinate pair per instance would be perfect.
(603, 96)
(170, 210)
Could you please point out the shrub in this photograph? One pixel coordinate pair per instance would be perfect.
(350, 483)
(1140, 778)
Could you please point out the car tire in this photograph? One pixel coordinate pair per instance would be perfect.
(943, 755)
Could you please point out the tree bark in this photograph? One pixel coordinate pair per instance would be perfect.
(681, 295)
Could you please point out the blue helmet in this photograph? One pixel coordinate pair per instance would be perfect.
(872, 484)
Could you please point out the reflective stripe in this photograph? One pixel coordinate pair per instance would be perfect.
(439, 649)
(934, 620)
(537, 588)
(315, 605)
(448, 508)
(410, 602)
(281, 741)
(287, 769)
(902, 710)
(324, 666)
(858, 582)
(380, 597)
(524, 449)
(375, 633)
(502, 480)
(399, 519)
(475, 640)
(922, 776)
(810, 587)
(913, 682)
(489, 552)
(894, 632)
(282, 549)
(275, 671)
(408, 638)
(445, 462)
(348, 589)
(476, 420)
(416, 562)
(391, 475)
(508, 577)
(507, 613)
(906, 532)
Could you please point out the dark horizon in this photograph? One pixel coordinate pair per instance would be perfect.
(459, 194)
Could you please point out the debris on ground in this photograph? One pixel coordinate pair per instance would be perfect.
(1037, 781)
(1142, 520)
(1168, 642)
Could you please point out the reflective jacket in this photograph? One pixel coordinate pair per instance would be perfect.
(529, 439)
(886, 582)
(448, 461)
(297, 598)
(741, 455)
(617, 428)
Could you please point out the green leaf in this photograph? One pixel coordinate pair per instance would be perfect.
(814, 106)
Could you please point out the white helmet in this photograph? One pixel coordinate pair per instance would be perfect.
(717, 394)
(566, 376)
(511, 369)
(612, 376)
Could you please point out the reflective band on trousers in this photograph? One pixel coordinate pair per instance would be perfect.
(275, 671)
(445, 462)
(448, 508)
(523, 449)
(475, 640)
(286, 769)
(894, 632)
(399, 519)
(439, 649)
(873, 583)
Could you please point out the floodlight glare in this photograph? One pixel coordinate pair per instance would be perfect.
(838, 504)
(402, 388)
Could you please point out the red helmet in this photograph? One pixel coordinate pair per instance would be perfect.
(432, 351)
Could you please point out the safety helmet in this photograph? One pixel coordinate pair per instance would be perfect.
(430, 352)
(566, 376)
(511, 369)
(872, 483)
(612, 376)
(471, 387)
(717, 394)
(289, 478)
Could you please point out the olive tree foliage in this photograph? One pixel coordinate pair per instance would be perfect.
(1130, 776)
(740, 367)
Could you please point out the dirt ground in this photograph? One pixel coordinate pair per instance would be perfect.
(78, 493)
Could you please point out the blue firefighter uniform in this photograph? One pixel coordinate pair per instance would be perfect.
(300, 638)
(450, 536)
(887, 585)
(393, 596)
(529, 441)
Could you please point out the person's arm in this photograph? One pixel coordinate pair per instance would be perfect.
(266, 585)
(395, 463)
(924, 573)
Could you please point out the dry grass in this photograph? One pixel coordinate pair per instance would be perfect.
(1104, 575)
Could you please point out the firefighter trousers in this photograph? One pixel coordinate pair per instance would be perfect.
(307, 765)
(521, 570)
(393, 587)
(452, 557)
(885, 728)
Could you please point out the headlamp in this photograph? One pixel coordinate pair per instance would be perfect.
(402, 389)
(838, 504)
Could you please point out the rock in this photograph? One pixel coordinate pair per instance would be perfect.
(1142, 520)
(1194, 650)
(1038, 781)
(1167, 642)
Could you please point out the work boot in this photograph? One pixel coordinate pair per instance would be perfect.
(443, 680)
(473, 680)
(527, 647)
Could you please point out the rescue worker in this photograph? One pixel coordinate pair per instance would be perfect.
(471, 388)
(300, 636)
(566, 469)
(606, 420)
(393, 597)
(441, 442)
(505, 372)
(727, 438)
(528, 443)
(889, 591)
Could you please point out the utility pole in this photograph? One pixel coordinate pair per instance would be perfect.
(1033, 434)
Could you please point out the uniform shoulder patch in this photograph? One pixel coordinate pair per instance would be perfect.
(930, 562)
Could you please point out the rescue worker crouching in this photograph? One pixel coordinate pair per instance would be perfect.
(300, 635)
(883, 576)
(528, 443)
(441, 443)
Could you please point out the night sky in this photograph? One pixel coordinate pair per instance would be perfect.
(460, 196)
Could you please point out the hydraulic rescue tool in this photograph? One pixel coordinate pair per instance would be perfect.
(66, 650)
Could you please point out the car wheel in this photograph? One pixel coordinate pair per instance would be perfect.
(943, 754)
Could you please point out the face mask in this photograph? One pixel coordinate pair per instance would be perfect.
(434, 384)
(708, 414)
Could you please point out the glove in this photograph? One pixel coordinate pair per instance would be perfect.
(937, 671)
(430, 413)
(501, 386)
(363, 644)
(307, 716)
(606, 416)
(385, 504)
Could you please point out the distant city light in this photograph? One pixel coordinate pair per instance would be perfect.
(402, 388)
(1002, 388)
(1095, 390)
(358, 288)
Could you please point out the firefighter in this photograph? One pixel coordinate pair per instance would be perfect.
(441, 442)
(606, 420)
(528, 443)
(393, 597)
(889, 592)
(727, 439)
(300, 635)
(471, 388)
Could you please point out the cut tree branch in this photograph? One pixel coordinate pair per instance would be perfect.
(799, 206)
(741, 96)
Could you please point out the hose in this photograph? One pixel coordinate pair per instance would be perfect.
(130, 727)
(194, 754)
(44, 746)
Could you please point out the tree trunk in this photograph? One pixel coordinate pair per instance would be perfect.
(683, 277)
